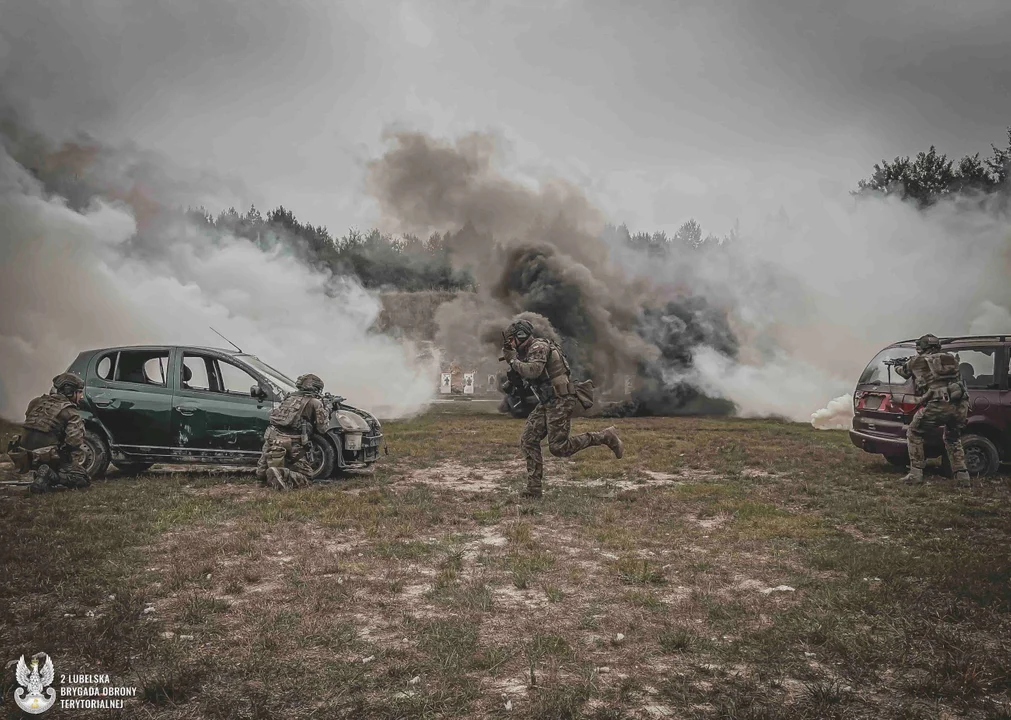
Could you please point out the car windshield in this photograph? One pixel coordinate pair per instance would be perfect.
(876, 372)
(278, 379)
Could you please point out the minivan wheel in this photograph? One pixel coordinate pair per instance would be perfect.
(96, 455)
(981, 456)
(321, 457)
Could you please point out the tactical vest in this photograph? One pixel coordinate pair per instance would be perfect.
(938, 372)
(43, 414)
(287, 417)
(555, 377)
(945, 380)
(943, 366)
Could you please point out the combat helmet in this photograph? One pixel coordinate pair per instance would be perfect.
(928, 343)
(522, 330)
(309, 383)
(67, 384)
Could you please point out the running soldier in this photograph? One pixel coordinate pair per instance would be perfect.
(944, 403)
(53, 441)
(542, 365)
(283, 464)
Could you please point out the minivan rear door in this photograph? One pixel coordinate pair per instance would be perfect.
(882, 396)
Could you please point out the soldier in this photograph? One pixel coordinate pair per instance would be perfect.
(944, 403)
(53, 441)
(283, 464)
(542, 365)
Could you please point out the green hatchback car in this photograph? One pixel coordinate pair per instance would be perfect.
(196, 405)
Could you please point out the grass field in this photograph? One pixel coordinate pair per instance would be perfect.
(722, 569)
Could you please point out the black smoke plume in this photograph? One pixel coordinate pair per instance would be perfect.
(540, 253)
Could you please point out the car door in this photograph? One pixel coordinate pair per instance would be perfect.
(129, 393)
(214, 411)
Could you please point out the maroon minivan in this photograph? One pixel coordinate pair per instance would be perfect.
(883, 407)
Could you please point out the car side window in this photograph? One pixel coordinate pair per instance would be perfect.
(977, 368)
(106, 366)
(194, 373)
(235, 380)
(142, 367)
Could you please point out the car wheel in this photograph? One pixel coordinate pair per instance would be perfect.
(981, 456)
(899, 461)
(133, 468)
(96, 455)
(321, 456)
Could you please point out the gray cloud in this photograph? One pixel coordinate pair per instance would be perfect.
(659, 110)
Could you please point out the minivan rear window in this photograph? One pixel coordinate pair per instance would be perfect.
(876, 372)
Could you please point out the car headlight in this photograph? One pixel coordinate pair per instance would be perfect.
(351, 422)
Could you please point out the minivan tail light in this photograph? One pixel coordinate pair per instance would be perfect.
(902, 404)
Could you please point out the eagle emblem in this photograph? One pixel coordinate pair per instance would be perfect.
(29, 697)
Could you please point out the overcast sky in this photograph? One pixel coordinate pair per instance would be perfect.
(661, 110)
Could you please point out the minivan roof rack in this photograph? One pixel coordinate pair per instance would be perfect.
(998, 338)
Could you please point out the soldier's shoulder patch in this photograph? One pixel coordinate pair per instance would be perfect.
(538, 349)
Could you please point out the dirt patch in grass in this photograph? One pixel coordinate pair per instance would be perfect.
(456, 476)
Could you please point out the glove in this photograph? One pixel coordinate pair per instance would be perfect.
(508, 354)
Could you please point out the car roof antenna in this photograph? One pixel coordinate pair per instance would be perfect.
(226, 339)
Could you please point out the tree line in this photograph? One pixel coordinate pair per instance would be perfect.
(407, 263)
(379, 260)
(931, 176)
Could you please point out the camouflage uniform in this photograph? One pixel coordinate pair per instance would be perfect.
(542, 364)
(52, 444)
(945, 404)
(283, 463)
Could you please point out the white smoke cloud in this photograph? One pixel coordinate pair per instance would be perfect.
(71, 281)
(820, 287)
(992, 319)
(837, 415)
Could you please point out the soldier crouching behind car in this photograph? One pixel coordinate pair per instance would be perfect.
(52, 445)
(542, 365)
(944, 403)
(283, 464)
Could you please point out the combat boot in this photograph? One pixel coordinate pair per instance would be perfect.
(275, 479)
(609, 436)
(914, 476)
(41, 483)
(962, 477)
(532, 493)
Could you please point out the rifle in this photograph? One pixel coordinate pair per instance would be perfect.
(515, 381)
(895, 362)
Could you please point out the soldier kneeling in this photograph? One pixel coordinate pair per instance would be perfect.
(283, 464)
(52, 446)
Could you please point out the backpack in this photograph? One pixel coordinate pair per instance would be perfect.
(582, 390)
(943, 366)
